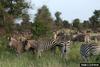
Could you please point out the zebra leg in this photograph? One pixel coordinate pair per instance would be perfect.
(18, 52)
(63, 52)
(34, 51)
(53, 50)
(39, 54)
(85, 59)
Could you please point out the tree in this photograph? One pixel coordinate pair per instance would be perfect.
(26, 24)
(95, 20)
(10, 10)
(66, 24)
(76, 23)
(42, 25)
(58, 21)
(14, 7)
(86, 24)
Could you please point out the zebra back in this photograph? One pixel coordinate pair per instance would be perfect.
(46, 44)
(87, 50)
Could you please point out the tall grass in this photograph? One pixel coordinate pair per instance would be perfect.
(8, 58)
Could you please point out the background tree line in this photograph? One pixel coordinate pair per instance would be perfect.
(43, 23)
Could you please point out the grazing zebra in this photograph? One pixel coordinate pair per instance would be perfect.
(86, 50)
(44, 44)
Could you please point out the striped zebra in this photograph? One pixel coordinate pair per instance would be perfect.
(48, 44)
(45, 44)
(42, 45)
(89, 49)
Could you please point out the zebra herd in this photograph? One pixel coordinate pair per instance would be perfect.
(40, 45)
(62, 40)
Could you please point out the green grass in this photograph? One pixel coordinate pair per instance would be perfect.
(8, 58)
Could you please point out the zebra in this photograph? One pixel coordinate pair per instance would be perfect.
(60, 39)
(64, 42)
(89, 49)
(42, 45)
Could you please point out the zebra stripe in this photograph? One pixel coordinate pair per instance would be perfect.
(49, 43)
(88, 49)
(46, 44)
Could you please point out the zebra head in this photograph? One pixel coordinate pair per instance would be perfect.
(66, 46)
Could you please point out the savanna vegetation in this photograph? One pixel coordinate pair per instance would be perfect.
(8, 58)
(43, 25)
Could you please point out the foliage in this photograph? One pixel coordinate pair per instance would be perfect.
(86, 25)
(66, 24)
(95, 20)
(8, 58)
(26, 24)
(9, 11)
(43, 23)
(14, 7)
(76, 23)
(58, 21)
